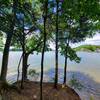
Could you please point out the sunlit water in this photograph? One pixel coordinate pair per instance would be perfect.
(89, 65)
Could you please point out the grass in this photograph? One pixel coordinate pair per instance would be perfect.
(89, 48)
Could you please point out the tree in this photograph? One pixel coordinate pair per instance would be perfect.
(45, 12)
(77, 25)
(68, 52)
(56, 51)
(33, 36)
(32, 44)
(9, 32)
(26, 33)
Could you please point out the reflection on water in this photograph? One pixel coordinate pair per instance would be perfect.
(89, 86)
(90, 63)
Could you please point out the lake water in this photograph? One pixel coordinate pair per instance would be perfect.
(89, 65)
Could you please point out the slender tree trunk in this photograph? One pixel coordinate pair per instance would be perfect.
(65, 71)
(23, 64)
(7, 44)
(56, 51)
(66, 63)
(43, 51)
(23, 61)
(42, 65)
(25, 67)
(18, 69)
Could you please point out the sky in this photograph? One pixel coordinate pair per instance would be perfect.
(93, 41)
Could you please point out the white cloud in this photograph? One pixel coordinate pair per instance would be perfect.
(93, 41)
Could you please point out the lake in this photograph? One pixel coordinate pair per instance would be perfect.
(89, 65)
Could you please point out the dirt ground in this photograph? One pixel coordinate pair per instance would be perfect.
(31, 91)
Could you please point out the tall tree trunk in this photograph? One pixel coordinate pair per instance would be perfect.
(56, 51)
(24, 52)
(65, 71)
(7, 44)
(25, 67)
(5, 58)
(42, 66)
(23, 64)
(66, 63)
(43, 51)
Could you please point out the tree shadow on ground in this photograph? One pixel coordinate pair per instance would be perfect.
(91, 88)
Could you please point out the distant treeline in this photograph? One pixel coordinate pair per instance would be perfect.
(89, 48)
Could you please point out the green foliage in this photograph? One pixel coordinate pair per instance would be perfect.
(73, 56)
(31, 43)
(91, 48)
(6, 15)
(32, 14)
(1, 49)
(1, 42)
(80, 18)
(76, 8)
(33, 73)
(77, 20)
(71, 53)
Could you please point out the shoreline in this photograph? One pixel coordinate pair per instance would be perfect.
(31, 91)
(91, 88)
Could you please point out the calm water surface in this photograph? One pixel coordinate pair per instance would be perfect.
(89, 65)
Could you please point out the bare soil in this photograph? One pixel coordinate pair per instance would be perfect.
(31, 91)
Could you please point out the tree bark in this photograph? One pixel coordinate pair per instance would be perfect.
(66, 63)
(43, 50)
(24, 52)
(7, 44)
(56, 51)
(18, 69)
(65, 71)
(25, 67)
(5, 58)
